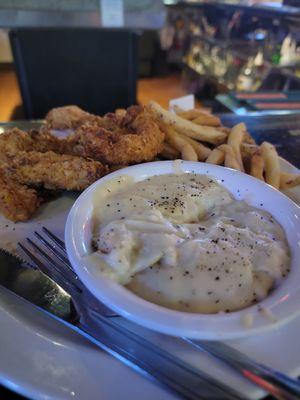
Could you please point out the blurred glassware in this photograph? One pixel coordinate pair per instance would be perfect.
(235, 47)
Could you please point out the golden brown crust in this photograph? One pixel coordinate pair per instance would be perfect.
(55, 171)
(118, 139)
(17, 202)
(67, 117)
(15, 140)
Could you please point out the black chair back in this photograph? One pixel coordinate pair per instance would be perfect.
(95, 69)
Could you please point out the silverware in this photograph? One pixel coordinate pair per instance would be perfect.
(68, 301)
(274, 382)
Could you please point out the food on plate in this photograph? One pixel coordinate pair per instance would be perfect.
(176, 145)
(67, 117)
(257, 165)
(207, 120)
(54, 171)
(169, 152)
(237, 148)
(216, 157)
(181, 144)
(201, 150)
(288, 180)
(183, 242)
(230, 160)
(120, 138)
(15, 140)
(114, 139)
(41, 159)
(271, 161)
(235, 140)
(17, 202)
(74, 148)
(205, 133)
(199, 117)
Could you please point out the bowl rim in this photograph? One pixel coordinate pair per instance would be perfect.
(179, 323)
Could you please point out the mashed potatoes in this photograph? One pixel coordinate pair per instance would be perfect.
(182, 241)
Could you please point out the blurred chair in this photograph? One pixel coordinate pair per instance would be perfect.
(95, 69)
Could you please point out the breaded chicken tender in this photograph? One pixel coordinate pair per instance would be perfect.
(54, 171)
(68, 117)
(15, 140)
(17, 202)
(118, 139)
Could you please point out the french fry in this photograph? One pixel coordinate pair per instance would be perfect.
(207, 119)
(248, 138)
(224, 129)
(203, 133)
(235, 147)
(216, 157)
(180, 143)
(288, 180)
(189, 114)
(177, 109)
(248, 150)
(202, 151)
(188, 153)
(169, 152)
(271, 160)
(235, 140)
(257, 166)
(170, 149)
(230, 158)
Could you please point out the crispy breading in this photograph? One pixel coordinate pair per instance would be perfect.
(54, 171)
(118, 138)
(67, 117)
(17, 202)
(115, 139)
(15, 140)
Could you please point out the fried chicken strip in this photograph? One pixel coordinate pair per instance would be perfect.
(68, 117)
(15, 140)
(17, 202)
(54, 171)
(118, 138)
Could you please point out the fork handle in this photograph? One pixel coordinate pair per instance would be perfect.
(274, 382)
(152, 361)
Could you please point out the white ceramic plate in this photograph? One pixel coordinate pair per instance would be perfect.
(43, 360)
(282, 304)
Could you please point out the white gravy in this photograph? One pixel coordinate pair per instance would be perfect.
(183, 242)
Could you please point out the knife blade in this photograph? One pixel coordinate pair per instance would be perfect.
(25, 280)
(143, 356)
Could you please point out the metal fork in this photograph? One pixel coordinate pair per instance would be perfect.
(279, 385)
(93, 318)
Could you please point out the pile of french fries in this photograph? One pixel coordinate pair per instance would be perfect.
(197, 135)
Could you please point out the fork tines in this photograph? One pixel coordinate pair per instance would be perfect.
(48, 253)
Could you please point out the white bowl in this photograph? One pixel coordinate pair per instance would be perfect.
(281, 305)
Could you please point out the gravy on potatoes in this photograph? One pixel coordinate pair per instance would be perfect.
(183, 242)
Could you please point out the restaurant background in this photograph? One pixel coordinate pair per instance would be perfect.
(209, 48)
